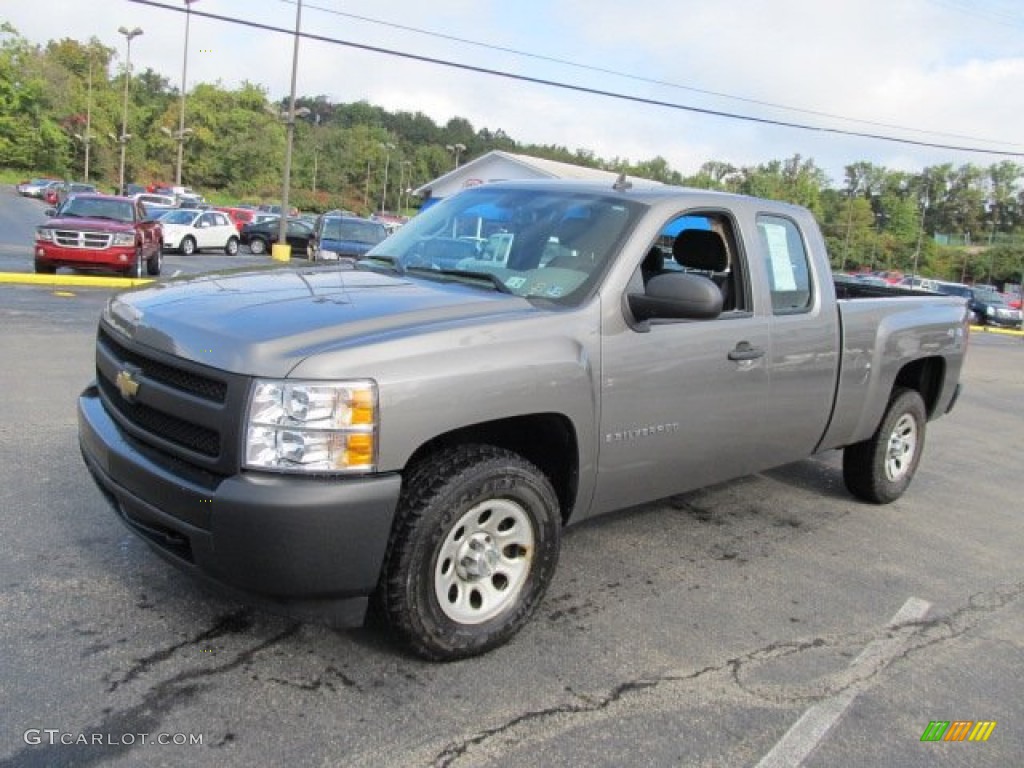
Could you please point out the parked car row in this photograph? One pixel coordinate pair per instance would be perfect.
(88, 230)
(987, 305)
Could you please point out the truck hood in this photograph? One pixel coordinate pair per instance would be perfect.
(266, 322)
(95, 225)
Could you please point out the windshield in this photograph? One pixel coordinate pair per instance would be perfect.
(353, 230)
(538, 243)
(178, 217)
(99, 208)
(955, 290)
(991, 297)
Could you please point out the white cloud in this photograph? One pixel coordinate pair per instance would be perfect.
(917, 63)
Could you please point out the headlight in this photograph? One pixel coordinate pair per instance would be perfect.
(326, 254)
(123, 238)
(44, 234)
(312, 426)
(990, 310)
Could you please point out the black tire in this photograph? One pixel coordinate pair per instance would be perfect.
(155, 262)
(880, 468)
(188, 245)
(257, 246)
(138, 267)
(231, 249)
(42, 268)
(474, 546)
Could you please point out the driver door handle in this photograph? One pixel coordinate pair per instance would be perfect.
(744, 351)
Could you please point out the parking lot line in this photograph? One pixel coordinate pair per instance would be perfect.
(800, 740)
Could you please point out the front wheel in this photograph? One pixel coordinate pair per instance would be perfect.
(45, 268)
(137, 269)
(880, 468)
(257, 246)
(474, 547)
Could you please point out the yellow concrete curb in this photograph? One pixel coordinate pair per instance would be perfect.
(992, 329)
(82, 281)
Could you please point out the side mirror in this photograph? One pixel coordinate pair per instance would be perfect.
(51, 212)
(677, 296)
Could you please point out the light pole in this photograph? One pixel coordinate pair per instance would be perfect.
(282, 230)
(388, 146)
(920, 237)
(401, 186)
(456, 149)
(366, 191)
(86, 138)
(123, 138)
(179, 136)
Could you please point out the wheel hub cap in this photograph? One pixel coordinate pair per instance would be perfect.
(902, 446)
(477, 557)
(484, 561)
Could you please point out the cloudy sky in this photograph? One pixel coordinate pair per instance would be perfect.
(947, 72)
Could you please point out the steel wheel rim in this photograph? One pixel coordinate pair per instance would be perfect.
(902, 447)
(484, 561)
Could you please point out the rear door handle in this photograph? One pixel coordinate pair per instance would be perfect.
(744, 351)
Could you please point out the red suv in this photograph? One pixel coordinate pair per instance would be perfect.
(100, 232)
(239, 216)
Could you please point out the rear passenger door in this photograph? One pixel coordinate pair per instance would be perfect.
(803, 357)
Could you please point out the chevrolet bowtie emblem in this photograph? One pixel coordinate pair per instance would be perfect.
(127, 384)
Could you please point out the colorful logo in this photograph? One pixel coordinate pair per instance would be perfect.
(958, 730)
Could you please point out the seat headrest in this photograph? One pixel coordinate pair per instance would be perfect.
(700, 249)
(654, 261)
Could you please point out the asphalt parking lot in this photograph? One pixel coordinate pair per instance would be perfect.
(773, 620)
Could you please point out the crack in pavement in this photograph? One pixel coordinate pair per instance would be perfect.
(146, 716)
(905, 639)
(230, 624)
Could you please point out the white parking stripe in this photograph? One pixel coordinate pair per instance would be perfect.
(807, 732)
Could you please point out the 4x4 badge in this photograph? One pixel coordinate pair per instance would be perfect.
(127, 384)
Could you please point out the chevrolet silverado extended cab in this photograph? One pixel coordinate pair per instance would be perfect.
(419, 429)
(99, 232)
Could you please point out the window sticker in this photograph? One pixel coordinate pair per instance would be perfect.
(783, 277)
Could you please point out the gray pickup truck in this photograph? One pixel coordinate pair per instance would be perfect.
(419, 428)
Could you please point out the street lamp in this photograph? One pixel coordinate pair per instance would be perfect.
(456, 149)
(387, 147)
(123, 138)
(282, 229)
(180, 134)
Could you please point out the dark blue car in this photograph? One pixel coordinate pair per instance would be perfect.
(344, 237)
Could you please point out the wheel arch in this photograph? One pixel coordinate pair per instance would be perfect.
(547, 440)
(924, 375)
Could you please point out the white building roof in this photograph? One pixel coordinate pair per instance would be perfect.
(501, 166)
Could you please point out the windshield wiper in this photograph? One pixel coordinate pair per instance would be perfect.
(391, 261)
(493, 280)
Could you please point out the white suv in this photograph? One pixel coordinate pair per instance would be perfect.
(189, 231)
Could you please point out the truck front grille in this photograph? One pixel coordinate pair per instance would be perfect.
(184, 409)
(70, 238)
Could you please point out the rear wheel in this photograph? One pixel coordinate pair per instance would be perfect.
(155, 262)
(257, 246)
(880, 468)
(232, 246)
(188, 245)
(474, 547)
